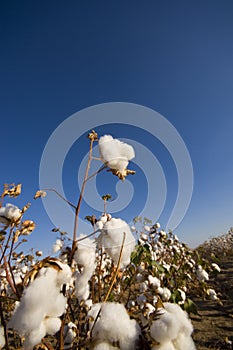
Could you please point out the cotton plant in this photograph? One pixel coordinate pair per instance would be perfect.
(128, 280)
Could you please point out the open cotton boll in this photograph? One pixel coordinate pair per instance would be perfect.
(9, 213)
(85, 253)
(165, 328)
(202, 275)
(182, 318)
(111, 239)
(41, 300)
(114, 325)
(115, 153)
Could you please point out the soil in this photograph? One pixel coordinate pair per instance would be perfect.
(213, 326)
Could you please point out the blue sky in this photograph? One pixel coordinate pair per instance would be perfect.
(175, 57)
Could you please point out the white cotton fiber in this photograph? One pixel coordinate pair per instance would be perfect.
(85, 256)
(166, 346)
(52, 325)
(111, 239)
(9, 212)
(34, 337)
(173, 326)
(114, 325)
(184, 342)
(165, 328)
(115, 153)
(182, 318)
(41, 304)
(103, 346)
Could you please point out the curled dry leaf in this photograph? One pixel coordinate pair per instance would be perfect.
(27, 227)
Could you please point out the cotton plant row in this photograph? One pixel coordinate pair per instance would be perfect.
(121, 287)
(218, 246)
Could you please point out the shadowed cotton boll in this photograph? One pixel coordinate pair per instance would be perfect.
(114, 326)
(41, 304)
(84, 256)
(115, 153)
(9, 213)
(111, 239)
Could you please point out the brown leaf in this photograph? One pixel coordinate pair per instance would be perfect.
(40, 194)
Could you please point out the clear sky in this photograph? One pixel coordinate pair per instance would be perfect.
(174, 57)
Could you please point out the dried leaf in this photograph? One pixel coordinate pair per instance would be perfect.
(12, 190)
(27, 227)
(40, 194)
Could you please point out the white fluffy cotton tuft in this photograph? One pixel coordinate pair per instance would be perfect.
(85, 258)
(111, 239)
(115, 153)
(114, 326)
(9, 213)
(173, 329)
(41, 305)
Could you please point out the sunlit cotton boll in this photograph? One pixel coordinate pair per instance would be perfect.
(111, 238)
(115, 153)
(114, 325)
(9, 213)
(57, 246)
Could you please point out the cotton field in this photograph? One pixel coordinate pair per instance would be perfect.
(125, 287)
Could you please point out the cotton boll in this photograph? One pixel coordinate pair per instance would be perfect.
(114, 325)
(85, 253)
(154, 281)
(115, 153)
(70, 331)
(52, 325)
(41, 299)
(165, 328)
(111, 239)
(165, 293)
(202, 275)
(181, 317)
(9, 212)
(57, 246)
